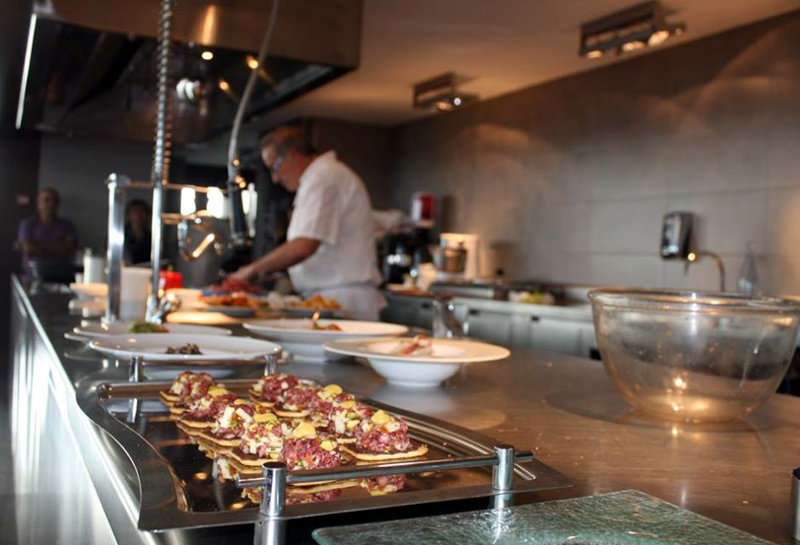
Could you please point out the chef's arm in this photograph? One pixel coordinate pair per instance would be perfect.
(284, 256)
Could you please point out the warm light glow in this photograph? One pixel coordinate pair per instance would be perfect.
(207, 55)
(632, 46)
(216, 203)
(680, 383)
(658, 37)
(224, 85)
(188, 205)
(691, 257)
(209, 32)
(252, 62)
(594, 54)
(201, 476)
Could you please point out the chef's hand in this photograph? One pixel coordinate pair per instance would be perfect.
(245, 273)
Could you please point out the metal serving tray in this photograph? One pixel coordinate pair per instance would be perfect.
(178, 486)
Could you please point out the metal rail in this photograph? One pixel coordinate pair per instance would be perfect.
(274, 478)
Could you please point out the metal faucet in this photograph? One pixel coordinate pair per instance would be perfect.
(694, 256)
(118, 184)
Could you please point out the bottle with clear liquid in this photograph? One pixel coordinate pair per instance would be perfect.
(747, 283)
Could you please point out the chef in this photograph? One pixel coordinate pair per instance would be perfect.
(329, 248)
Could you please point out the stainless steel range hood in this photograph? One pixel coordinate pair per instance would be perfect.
(90, 64)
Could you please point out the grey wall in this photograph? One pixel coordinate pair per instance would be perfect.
(568, 181)
(77, 167)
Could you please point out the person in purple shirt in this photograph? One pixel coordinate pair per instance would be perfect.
(45, 236)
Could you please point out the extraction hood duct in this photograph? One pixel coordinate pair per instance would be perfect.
(90, 64)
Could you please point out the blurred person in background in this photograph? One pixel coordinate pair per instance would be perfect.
(46, 237)
(137, 232)
(330, 247)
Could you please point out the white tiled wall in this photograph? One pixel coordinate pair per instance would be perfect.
(569, 180)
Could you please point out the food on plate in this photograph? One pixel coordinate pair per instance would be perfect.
(315, 325)
(190, 349)
(227, 430)
(327, 400)
(232, 285)
(295, 402)
(269, 389)
(332, 428)
(419, 345)
(186, 386)
(345, 419)
(140, 326)
(316, 302)
(383, 437)
(235, 300)
(385, 484)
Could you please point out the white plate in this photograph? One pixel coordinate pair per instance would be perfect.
(296, 336)
(418, 371)
(152, 347)
(235, 312)
(302, 312)
(99, 329)
(89, 290)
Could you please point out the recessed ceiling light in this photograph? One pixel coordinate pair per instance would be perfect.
(252, 62)
(207, 55)
(441, 93)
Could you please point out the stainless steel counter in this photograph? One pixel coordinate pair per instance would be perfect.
(561, 407)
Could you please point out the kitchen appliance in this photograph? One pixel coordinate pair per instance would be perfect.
(423, 209)
(677, 235)
(470, 244)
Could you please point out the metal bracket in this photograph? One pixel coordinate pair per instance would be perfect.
(275, 477)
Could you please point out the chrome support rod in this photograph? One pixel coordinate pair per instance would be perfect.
(116, 239)
(396, 468)
(134, 375)
(159, 174)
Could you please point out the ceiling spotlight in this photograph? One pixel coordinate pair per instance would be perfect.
(628, 30)
(207, 55)
(441, 93)
(225, 87)
(252, 62)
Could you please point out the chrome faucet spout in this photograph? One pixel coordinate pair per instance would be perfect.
(696, 255)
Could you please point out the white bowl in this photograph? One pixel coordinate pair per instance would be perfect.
(418, 371)
(412, 374)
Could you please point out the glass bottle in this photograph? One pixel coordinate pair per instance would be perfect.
(747, 283)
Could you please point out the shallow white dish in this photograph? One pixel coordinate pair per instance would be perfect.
(89, 290)
(296, 335)
(418, 371)
(215, 348)
(99, 329)
(234, 312)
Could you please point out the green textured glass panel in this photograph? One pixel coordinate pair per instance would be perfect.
(619, 518)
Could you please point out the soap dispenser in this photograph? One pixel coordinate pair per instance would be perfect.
(747, 283)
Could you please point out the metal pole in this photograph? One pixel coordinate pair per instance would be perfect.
(271, 366)
(134, 375)
(116, 240)
(159, 174)
(503, 476)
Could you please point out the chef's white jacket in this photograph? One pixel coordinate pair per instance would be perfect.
(333, 207)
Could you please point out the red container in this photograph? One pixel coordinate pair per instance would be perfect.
(170, 279)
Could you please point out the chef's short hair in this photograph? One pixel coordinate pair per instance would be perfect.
(287, 137)
(56, 196)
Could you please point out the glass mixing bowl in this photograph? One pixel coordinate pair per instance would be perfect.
(694, 357)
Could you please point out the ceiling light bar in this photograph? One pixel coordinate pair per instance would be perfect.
(441, 93)
(640, 26)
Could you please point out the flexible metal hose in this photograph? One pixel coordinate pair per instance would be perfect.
(159, 174)
(238, 227)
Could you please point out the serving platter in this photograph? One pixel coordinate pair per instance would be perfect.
(152, 347)
(184, 489)
(95, 329)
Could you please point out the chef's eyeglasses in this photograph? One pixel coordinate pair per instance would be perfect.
(276, 165)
